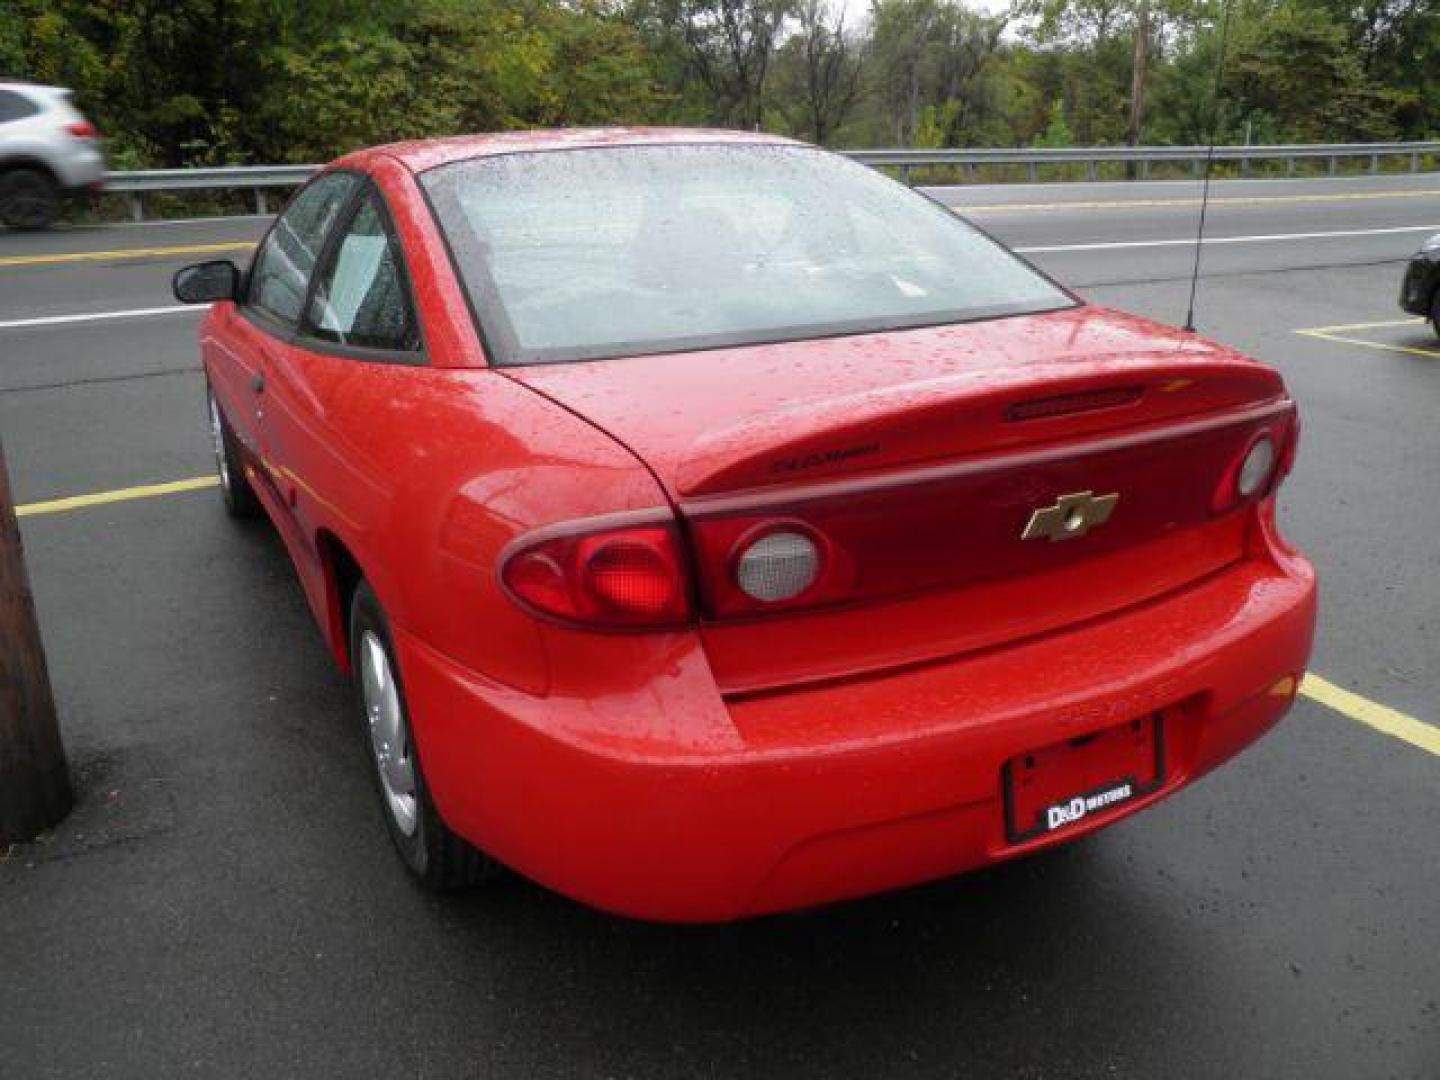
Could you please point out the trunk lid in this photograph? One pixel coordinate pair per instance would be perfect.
(922, 458)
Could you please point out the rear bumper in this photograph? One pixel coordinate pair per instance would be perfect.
(81, 167)
(845, 790)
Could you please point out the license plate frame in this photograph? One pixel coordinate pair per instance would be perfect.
(1110, 768)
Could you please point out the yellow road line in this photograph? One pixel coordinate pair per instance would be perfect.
(1361, 326)
(1343, 339)
(1372, 714)
(1226, 200)
(101, 498)
(124, 253)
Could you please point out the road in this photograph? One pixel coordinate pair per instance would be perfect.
(224, 901)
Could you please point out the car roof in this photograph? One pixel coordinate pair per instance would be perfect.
(422, 154)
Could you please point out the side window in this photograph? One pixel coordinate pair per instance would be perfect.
(15, 106)
(280, 275)
(360, 297)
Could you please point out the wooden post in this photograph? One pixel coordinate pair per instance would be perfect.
(35, 790)
(1139, 60)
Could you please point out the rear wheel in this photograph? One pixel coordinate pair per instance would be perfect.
(434, 854)
(235, 489)
(1435, 311)
(29, 199)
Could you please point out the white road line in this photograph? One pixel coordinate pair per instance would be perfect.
(101, 316)
(1189, 241)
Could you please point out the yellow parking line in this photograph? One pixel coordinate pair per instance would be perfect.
(125, 253)
(1323, 334)
(1362, 326)
(1227, 200)
(1372, 714)
(101, 498)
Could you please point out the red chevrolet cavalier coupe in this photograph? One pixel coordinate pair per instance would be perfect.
(712, 526)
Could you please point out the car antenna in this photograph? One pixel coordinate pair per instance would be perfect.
(1209, 162)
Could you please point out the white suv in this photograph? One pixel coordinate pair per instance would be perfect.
(46, 149)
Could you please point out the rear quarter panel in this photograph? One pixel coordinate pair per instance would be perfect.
(425, 473)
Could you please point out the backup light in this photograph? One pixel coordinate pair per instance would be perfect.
(778, 566)
(1258, 465)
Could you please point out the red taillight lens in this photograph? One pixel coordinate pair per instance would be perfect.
(633, 576)
(83, 129)
(1292, 448)
(602, 574)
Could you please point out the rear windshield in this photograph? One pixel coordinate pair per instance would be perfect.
(618, 251)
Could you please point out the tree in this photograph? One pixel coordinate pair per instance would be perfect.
(729, 47)
(824, 70)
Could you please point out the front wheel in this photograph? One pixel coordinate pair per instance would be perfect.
(29, 199)
(434, 854)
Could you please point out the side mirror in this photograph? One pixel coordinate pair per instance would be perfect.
(206, 282)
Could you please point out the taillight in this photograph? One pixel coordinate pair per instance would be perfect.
(1264, 461)
(757, 563)
(1256, 467)
(83, 129)
(1292, 448)
(609, 573)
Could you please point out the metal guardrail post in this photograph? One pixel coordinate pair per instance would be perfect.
(1374, 164)
(262, 205)
(137, 207)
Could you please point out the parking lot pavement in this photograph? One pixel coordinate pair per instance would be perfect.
(224, 900)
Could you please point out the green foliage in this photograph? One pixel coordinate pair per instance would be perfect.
(1057, 134)
(194, 82)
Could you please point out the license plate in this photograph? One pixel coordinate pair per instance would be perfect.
(1061, 785)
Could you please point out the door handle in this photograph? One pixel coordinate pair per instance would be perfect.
(257, 383)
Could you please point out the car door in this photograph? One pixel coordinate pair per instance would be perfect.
(265, 321)
(334, 380)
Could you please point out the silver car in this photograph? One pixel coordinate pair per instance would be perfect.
(47, 149)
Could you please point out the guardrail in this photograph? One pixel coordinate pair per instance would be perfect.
(1145, 156)
(262, 179)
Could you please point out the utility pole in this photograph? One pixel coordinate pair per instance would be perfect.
(35, 790)
(1137, 76)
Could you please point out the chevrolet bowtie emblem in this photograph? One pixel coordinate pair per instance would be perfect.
(1072, 516)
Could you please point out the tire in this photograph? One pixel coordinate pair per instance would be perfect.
(437, 858)
(1435, 310)
(29, 199)
(235, 489)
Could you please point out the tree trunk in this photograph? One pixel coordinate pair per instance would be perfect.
(35, 788)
